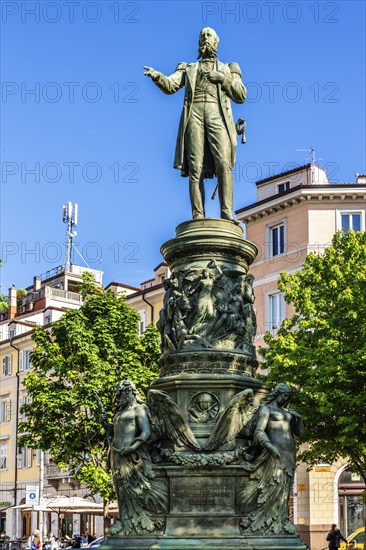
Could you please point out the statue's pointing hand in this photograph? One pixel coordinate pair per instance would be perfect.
(152, 73)
(216, 77)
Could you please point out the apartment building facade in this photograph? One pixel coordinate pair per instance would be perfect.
(45, 301)
(298, 212)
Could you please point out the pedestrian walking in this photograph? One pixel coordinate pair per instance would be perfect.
(334, 538)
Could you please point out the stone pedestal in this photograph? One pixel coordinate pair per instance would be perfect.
(208, 360)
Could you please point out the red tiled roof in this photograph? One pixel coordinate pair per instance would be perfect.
(148, 281)
(282, 174)
(25, 323)
(161, 263)
(123, 285)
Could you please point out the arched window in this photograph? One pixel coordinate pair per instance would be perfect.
(352, 511)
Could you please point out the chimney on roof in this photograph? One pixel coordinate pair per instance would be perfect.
(360, 178)
(12, 301)
(37, 282)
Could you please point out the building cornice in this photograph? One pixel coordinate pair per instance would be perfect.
(25, 323)
(122, 285)
(302, 193)
(17, 337)
(151, 291)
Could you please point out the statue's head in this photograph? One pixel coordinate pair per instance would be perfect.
(126, 391)
(208, 43)
(282, 393)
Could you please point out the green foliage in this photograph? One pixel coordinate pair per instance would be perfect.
(87, 350)
(21, 293)
(3, 303)
(322, 350)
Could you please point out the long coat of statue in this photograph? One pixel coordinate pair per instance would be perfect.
(231, 88)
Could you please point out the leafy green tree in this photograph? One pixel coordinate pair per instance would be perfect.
(322, 351)
(3, 303)
(21, 293)
(87, 351)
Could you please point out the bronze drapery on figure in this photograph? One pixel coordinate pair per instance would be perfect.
(265, 496)
(140, 496)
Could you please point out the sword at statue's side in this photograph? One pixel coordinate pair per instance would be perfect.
(240, 127)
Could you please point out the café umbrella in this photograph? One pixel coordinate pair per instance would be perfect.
(61, 504)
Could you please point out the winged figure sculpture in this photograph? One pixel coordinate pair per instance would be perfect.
(167, 420)
(235, 418)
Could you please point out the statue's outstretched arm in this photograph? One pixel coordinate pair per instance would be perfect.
(233, 85)
(168, 84)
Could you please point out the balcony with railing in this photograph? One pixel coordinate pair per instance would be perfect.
(74, 269)
(52, 471)
(27, 303)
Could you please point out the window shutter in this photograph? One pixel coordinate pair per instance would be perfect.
(8, 410)
(7, 363)
(19, 460)
(21, 360)
(29, 358)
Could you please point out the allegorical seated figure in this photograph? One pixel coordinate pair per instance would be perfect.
(206, 143)
(131, 464)
(265, 496)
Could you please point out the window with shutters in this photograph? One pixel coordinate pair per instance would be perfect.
(142, 323)
(7, 363)
(3, 454)
(4, 409)
(24, 359)
(24, 457)
(23, 400)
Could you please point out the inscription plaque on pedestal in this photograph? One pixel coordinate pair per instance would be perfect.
(202, 494)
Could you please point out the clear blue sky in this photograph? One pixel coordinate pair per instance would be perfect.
(94, 114)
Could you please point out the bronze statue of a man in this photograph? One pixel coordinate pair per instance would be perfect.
(206, 143)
